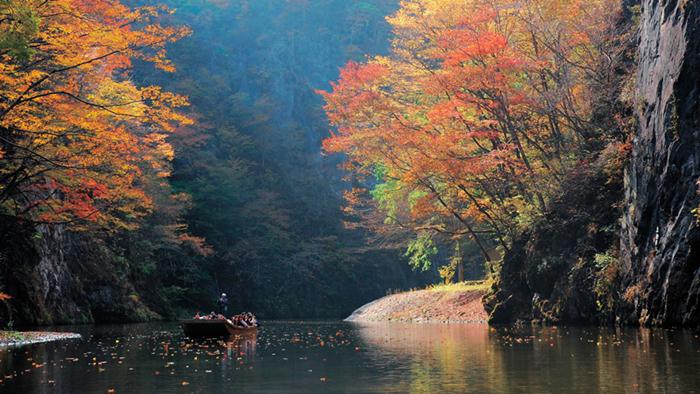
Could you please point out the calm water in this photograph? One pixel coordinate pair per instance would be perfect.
(342, 357)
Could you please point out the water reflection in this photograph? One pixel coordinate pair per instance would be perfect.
(241, 345)
(340, 357)
(477, 358)
(437, 357)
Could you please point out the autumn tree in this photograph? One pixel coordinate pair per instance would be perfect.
(80, 142)
(468, 127)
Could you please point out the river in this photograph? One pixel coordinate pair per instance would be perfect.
(299, 356)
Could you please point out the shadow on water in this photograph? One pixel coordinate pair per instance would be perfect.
(343, 357)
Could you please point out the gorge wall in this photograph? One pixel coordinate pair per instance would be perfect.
(59, 277)
(625, 253)
(660, 237)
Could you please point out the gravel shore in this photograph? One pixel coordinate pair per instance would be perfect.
(20, 338)
(425, 306)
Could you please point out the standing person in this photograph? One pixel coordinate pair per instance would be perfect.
(223, 304)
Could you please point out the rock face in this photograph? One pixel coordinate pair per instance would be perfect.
(571, 268)
(58, 277)
(660, 237)
(551, 273)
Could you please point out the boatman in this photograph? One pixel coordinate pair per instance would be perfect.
(223, 304)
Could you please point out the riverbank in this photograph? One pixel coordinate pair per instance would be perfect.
(19, 338)
(454, 303)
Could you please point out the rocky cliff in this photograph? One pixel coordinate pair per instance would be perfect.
(625, 253)
(660, 238)
(561, 271)
(59, 277)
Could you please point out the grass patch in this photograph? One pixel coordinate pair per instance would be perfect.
(470, 285)
(12, 336)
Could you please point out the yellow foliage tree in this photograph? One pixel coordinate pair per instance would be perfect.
(476, 116)
(77, 135)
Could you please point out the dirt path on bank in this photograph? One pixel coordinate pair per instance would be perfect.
(425, 306)
(20, 338)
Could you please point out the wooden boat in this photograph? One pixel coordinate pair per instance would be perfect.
(213, 328)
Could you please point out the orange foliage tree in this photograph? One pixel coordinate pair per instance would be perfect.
(79, 140)
(473, 120)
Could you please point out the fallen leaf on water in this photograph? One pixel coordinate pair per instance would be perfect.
(184, 383)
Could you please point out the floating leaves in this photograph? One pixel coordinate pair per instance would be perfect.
(357, 358)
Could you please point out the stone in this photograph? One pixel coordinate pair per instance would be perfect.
(660, 240)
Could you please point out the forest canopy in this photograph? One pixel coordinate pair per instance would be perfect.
(182, 149)
(470, 126)
(81, 142)
(178, 146)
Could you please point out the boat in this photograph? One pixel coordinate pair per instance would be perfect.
(213, 328)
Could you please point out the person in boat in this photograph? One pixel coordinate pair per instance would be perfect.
(223, 304)
(249, 320)
(197, 316)
(238, 321)
(212, 316)
(253, 320)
